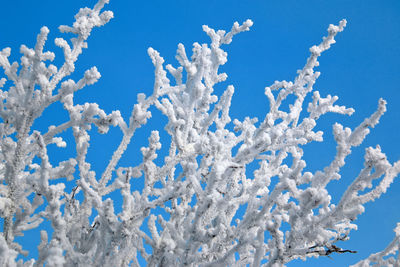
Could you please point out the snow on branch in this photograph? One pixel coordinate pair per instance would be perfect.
(203, 181)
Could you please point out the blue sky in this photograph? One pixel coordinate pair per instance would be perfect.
(360, 68)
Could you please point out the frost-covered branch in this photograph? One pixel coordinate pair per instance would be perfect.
(387, 257)
(201, 206)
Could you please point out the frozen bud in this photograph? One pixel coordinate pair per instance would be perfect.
(92, 75)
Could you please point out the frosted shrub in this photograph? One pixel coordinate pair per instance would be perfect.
(202, 184)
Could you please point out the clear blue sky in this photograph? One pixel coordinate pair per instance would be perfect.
(360, 68)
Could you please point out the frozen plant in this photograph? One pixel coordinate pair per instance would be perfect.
(203, 180)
